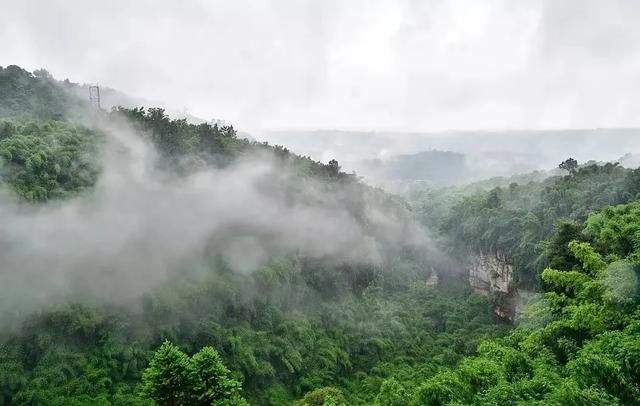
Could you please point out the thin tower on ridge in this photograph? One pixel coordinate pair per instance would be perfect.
(94, 96)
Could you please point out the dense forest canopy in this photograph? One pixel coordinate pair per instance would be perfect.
(579, 342)
(150, 260)
(517, 219)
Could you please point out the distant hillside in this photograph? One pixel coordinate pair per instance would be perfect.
(432, 167)
(488, 153)
(39, 95)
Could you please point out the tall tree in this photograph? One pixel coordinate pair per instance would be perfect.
(166, 381)
(175, 379)
(570, 165)
(210, 381)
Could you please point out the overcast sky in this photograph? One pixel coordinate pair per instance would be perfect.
(386, 65)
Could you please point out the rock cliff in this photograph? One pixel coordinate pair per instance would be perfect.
(490, 273)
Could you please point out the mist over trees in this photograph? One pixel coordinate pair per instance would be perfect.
(151, 260)
(409, 162)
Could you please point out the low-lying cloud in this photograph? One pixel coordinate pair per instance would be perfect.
(140, 223)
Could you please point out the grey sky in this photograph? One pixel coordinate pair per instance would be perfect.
(369, 64)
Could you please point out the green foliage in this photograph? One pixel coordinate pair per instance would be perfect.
(531, 225)
(327, 396)
(354, 344)
(167, 379)
(187, 147)
(570, 165)
(616, 230)
(434, 206)
(44, 157)
(392, 393)
(47, 160)
(35, 96)
(587, 353)
(173, 378)
(443, 389)
(557, 248)
(591, 261)
(567, 283)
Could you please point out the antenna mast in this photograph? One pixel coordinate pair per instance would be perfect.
(94, 96)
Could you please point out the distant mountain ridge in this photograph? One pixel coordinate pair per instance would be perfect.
(393, 159)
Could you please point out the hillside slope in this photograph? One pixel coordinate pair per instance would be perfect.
(128, 228)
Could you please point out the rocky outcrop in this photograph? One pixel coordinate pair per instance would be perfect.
(433, 279)
(510, 306)
(490, 273)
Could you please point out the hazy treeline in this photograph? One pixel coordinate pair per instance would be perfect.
(404, 161)
(519, 218)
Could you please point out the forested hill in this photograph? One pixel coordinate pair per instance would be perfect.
(149, 260)
(520, 219)
(35, 95)
(578, 343)
(41, 114)
(39, 95)
(406, 160)
(296, 273)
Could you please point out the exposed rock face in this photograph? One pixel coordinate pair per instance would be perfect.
(433, 279)
(490, 273)
(510, 306)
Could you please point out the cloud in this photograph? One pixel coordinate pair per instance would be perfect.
(375, 64)
(140, 224)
